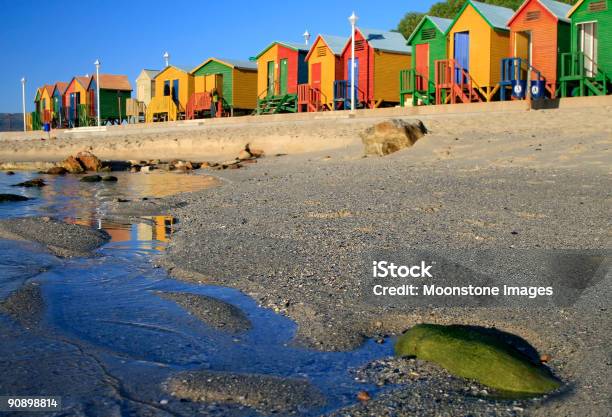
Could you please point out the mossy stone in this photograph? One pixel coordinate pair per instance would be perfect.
(472, 354)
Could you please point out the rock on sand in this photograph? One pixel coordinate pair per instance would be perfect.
(265, 393)
(391, 136)
(62, 239)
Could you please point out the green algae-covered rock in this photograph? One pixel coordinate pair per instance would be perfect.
(471, 354)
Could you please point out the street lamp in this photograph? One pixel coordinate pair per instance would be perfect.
(306, 36)
(97, 64)
(353, 20)
(23, 81)
(167, 58)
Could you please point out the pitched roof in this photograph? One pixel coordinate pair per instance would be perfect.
(441, 23)
(385, 41)
(333, 42)
(573, 9)
(113, 82)
(48, 88)
(496, 16)
(84, 81)
(290, 45)
(149, 73)
(61, 86)
(235, 63)
(557, 9)
(180, 68)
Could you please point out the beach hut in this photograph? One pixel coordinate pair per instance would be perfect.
(145, 85)
(428, 43)
(114, 90)
(379, 58)
(478, 39)
(324, 67)
(77, 112)
(539, 31)
(281, 66)
(59, 89)
(46, 103)
(587, 68)
(235, 82)
(35, 116)
(173, 87)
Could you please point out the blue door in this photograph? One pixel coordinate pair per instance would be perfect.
(175, 90)
(348, 86)
(462, 53)
(72, 106)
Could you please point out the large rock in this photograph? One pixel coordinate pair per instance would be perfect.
(12, 197)
(391, 135)
(89, 161)
(36, 182)
(72, 165)
(59, 170)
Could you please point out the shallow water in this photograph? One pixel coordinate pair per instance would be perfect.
(108, 305)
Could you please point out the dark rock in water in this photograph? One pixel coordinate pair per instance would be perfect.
(91, 178)
(10, 173)
(12, 197)
(109, 178)
(57, 171)
(36, 182)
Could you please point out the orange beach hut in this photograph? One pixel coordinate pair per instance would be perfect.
(325, 66)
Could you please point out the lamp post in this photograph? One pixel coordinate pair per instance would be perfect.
(167, 58)
(353, 19)
(306, 36)
(97, 64)
(23, 81)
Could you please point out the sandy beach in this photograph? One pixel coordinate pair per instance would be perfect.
(292, 231)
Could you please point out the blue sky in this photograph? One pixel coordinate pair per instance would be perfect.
(53, 40)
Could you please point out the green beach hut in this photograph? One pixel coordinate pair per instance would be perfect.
(114, 91)
(428, 42)
(587, 69)
(239, 83)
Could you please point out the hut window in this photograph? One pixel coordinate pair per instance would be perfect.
(534, 15)
(598, 6)
(428, 34)
(321, 51)
(359, 45)
(167, 88)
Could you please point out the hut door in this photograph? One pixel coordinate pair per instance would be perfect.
(270, 78)
(462, 54)
(422, 66)
(175, 90)
(588, 46)
(316, 76)
(283, 76)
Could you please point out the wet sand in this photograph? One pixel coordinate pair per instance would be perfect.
(297, 227)
(290, 231)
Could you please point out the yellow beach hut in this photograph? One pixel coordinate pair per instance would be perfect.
(325, 66)
(173, 87)
(478, 39)
(46, 103)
